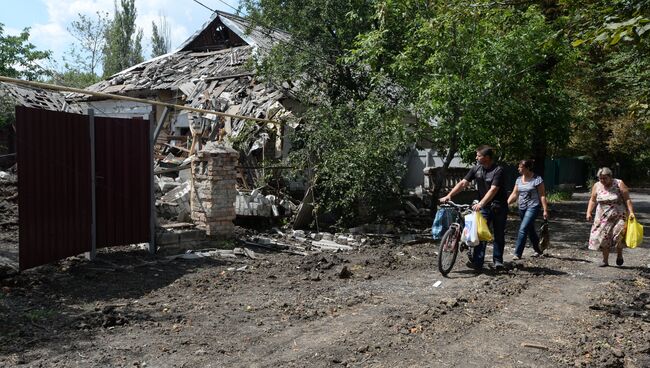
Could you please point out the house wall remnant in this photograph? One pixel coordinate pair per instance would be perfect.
(213, 189)
(118, 108)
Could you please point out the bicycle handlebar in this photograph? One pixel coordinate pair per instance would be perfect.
(452, 204)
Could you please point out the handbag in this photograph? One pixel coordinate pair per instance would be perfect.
(444, 218)
(543, 236)
(634, 235)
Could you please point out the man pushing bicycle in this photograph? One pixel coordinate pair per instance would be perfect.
(493, 205)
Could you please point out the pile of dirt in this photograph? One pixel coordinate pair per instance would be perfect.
(620, 336)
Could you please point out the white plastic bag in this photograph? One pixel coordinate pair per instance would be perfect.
(470, 231)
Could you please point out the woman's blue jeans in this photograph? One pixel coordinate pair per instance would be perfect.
(527, 229)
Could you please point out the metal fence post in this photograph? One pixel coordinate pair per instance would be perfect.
(152, 220)
(93, 183)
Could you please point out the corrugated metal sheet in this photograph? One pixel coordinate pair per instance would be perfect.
(123, 181)
(54, 183)
(54, 197)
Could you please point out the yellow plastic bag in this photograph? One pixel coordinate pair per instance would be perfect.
(634, 235)
(484, 233)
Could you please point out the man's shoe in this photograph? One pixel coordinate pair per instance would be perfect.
(537, 254)
(498, 265)
(516, 257)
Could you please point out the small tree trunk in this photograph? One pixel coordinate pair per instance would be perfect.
(539, 151)
(442, 173)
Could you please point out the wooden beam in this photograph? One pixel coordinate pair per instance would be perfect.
(230, 76)
(177, 147)
(161, 121)
(172, 169)
(127, 98)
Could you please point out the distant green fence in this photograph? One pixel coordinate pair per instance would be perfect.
(565, 171)
(557, 171)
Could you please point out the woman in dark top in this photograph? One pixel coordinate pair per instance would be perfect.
(529, 192)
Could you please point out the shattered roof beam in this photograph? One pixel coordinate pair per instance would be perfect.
(127, 98)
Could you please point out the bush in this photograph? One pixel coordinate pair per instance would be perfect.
(355, 153)
(555, 196)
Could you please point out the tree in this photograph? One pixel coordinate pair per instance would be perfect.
(470, 73)
(71, 77)
(160, 37)
(613, 83)
(123, 42)
(87, 53)
(352, 138)
(322, 33)
(477, 71)
(19, 58)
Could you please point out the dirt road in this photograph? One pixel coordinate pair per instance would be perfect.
(376, 306)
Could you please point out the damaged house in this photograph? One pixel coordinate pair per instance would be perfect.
(212, 70)
(13, 94)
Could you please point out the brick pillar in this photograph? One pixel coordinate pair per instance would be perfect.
(213, 189)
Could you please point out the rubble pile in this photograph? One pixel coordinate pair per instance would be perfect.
(8, 221)
(8, 200)
(308, 242)
(620, 337)
(254, 203)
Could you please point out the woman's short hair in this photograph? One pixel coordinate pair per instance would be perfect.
(527, 164)
(604, 171)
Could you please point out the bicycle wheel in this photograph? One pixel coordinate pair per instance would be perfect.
(448, 251)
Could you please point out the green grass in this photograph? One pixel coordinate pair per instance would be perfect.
(39, 314)
(559, 196)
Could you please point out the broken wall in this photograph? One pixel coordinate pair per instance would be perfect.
(213, 194)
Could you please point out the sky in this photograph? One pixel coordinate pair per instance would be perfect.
(48, 19)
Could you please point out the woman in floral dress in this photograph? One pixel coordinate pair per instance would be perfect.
(610, 197)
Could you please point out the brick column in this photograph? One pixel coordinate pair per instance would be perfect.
(213, 189)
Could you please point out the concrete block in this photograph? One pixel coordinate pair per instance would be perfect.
(167, 238)
(191, 235)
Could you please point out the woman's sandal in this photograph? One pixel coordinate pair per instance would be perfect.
(619, 260)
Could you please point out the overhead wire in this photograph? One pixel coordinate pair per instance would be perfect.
(295, 46)
(228, 5)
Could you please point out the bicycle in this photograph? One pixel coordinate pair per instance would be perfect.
(451, 242)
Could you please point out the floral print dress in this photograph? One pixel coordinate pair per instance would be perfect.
(609, 225)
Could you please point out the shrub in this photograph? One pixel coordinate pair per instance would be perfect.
(555, 196)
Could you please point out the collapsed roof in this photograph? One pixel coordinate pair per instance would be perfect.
(36, 98)
(211, 70)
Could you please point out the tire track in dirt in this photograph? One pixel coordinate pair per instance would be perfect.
(542, 311)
